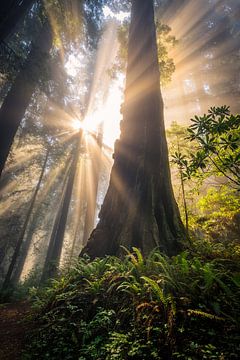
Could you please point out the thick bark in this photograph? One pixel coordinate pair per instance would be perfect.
(57, 236)
(139, 208)
(11, 13)
(19, 96)
(19, 244)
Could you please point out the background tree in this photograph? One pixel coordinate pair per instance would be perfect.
(56, 240)
(17, 250)
(51, 92)
(18, 98)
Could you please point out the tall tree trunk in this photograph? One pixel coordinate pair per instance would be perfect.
(48, 259)
(139, 208)
(10, 14)
(17, 250)
(57, 237)
(19, 96)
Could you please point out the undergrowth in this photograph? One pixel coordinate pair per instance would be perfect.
(185, 307)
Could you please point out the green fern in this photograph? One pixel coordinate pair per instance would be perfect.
(204, 315)
(156, 290)
(140, 259)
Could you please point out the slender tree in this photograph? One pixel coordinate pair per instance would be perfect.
(19, 244)
(19, 96)
(139, 208)
(57, 236)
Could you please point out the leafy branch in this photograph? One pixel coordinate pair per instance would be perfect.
(217, 135)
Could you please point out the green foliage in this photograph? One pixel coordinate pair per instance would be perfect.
(213, 208)
(218, 153)
(217, 223)
(140, 308)
(165, 43)
(219, 201)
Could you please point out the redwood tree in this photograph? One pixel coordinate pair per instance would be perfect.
(56, 241)
(139, 208)
(19, 96)
(17, 251)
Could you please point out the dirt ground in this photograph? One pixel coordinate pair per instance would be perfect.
(13, 326)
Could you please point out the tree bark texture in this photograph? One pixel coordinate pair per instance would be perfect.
(19, 96)
(139, 208)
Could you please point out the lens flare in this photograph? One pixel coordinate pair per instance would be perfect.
(77, 124)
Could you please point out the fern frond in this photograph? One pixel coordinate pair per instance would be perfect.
(144, 305)
(204, 315)
(155, 288)
(140, 258)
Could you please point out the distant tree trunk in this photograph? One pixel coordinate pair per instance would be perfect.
(79, 226)
(28, 234)
(57, 236)
(48, 264)
(74, 243)
(17, 250)
(10, 14)
(19, 96)
(139, 208)
(93, 190)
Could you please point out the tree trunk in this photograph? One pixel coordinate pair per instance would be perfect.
(19, 96)
(17, 250)
(48, 260)
(139, 208)
(10, 14)
(57, 237)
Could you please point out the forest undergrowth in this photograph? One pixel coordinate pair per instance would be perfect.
(184, 307)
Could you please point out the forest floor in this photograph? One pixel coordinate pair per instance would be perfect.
(13, 326)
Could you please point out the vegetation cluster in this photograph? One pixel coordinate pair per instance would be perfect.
(184, 307)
